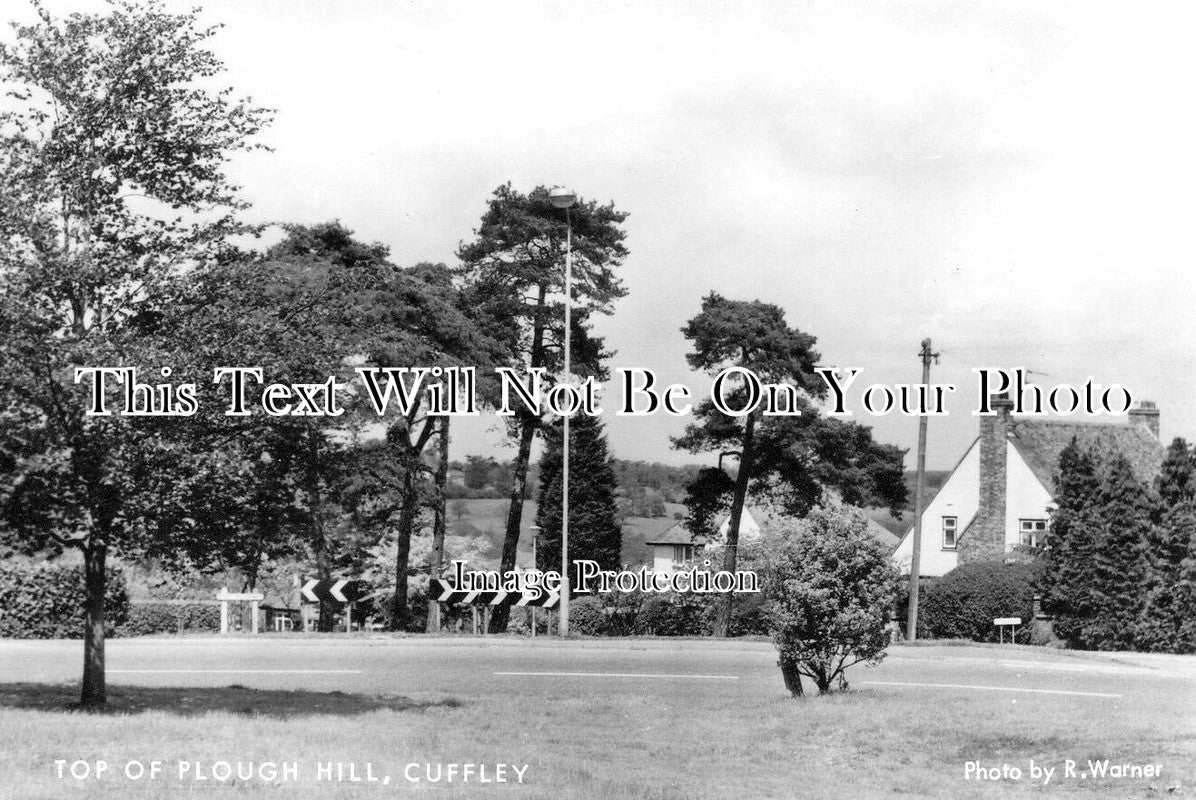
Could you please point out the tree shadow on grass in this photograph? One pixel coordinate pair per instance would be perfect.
(187, 701)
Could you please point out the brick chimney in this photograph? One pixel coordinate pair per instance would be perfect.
(984, 539)
(1147, 413)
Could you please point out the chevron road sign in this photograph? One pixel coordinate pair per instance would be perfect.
(539, 598)
(344, 590)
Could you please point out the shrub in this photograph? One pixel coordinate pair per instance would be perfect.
(587, 616)
(829, 589)
(170, 616)
(672, 614)
(45, 601)
(964, 602)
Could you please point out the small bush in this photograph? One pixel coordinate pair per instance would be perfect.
(162, 616)
(672, 615)
(45, 601)
(964, 602)
(587, 616)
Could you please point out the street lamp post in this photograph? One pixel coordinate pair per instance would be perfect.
(535, 531)
(565, 199)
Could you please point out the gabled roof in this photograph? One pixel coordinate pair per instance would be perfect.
(677, 534)
(1041, 441)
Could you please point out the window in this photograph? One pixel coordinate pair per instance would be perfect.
(949, 524)
(1031, 531)
(683, 553)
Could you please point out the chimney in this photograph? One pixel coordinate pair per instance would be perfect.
(984, 539)
(1147, 413)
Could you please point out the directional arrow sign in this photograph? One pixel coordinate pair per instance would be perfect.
(309, 591)
(344, 590)
(540, 597)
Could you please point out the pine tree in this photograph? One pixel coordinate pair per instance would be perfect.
(1071, 543)
(594, 531)
(1120, 575)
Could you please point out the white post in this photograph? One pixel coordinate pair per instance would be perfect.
(224, 616)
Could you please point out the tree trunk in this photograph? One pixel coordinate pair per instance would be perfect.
(510, 545)
(730, 558)
(438, 524)
(398, 605)
(95, 689)
(792, 677)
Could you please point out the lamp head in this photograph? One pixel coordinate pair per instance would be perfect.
(561, 197)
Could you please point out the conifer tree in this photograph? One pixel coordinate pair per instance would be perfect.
(1119, 564)
(594, 532)
(1171, 597)
(1070, 544)
(1177, 476)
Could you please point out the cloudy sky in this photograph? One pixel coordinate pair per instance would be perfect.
(1011, 179)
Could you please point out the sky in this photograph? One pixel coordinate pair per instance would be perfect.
(1014, 180)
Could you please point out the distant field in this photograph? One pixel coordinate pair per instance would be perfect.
(488, 519)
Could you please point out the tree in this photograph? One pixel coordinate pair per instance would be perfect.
(104, 108)
(514, 274)
(477, 471)
(791, 457)
(1070, 545)
(1170, 603)
(829, 589)
(1120, 567)
(594, 532)
(1177, 476)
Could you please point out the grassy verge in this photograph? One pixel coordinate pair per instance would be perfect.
(744, 742)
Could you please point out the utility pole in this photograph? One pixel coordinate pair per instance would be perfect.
(911, 623)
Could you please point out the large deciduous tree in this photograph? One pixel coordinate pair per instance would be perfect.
(515, 273)
(791, 457)
(112, 184)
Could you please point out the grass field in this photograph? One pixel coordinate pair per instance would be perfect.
(729, 740)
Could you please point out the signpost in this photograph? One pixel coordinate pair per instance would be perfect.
(225, 597)
(1012, 622)
(532, 598)
(343, 590)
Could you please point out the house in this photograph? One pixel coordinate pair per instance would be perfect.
(1000, 493)
(675, 548)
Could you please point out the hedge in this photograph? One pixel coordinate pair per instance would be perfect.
(167, 616)
(964, 602)
(45, 601)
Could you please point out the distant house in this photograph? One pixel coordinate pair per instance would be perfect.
(675, 548)
(1000, 493)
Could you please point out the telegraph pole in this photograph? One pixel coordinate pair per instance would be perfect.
(911, 623)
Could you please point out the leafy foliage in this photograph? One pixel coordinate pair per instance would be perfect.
(146, 618)
(829, 589)
(112, 186)
(964, 602)
(45, 600)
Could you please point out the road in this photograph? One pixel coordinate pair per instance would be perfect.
(544, 666)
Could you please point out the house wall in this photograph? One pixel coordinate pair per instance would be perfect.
(662, 558)
(1025, 496)
(958, 498)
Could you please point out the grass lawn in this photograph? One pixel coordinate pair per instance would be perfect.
(729, 741)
